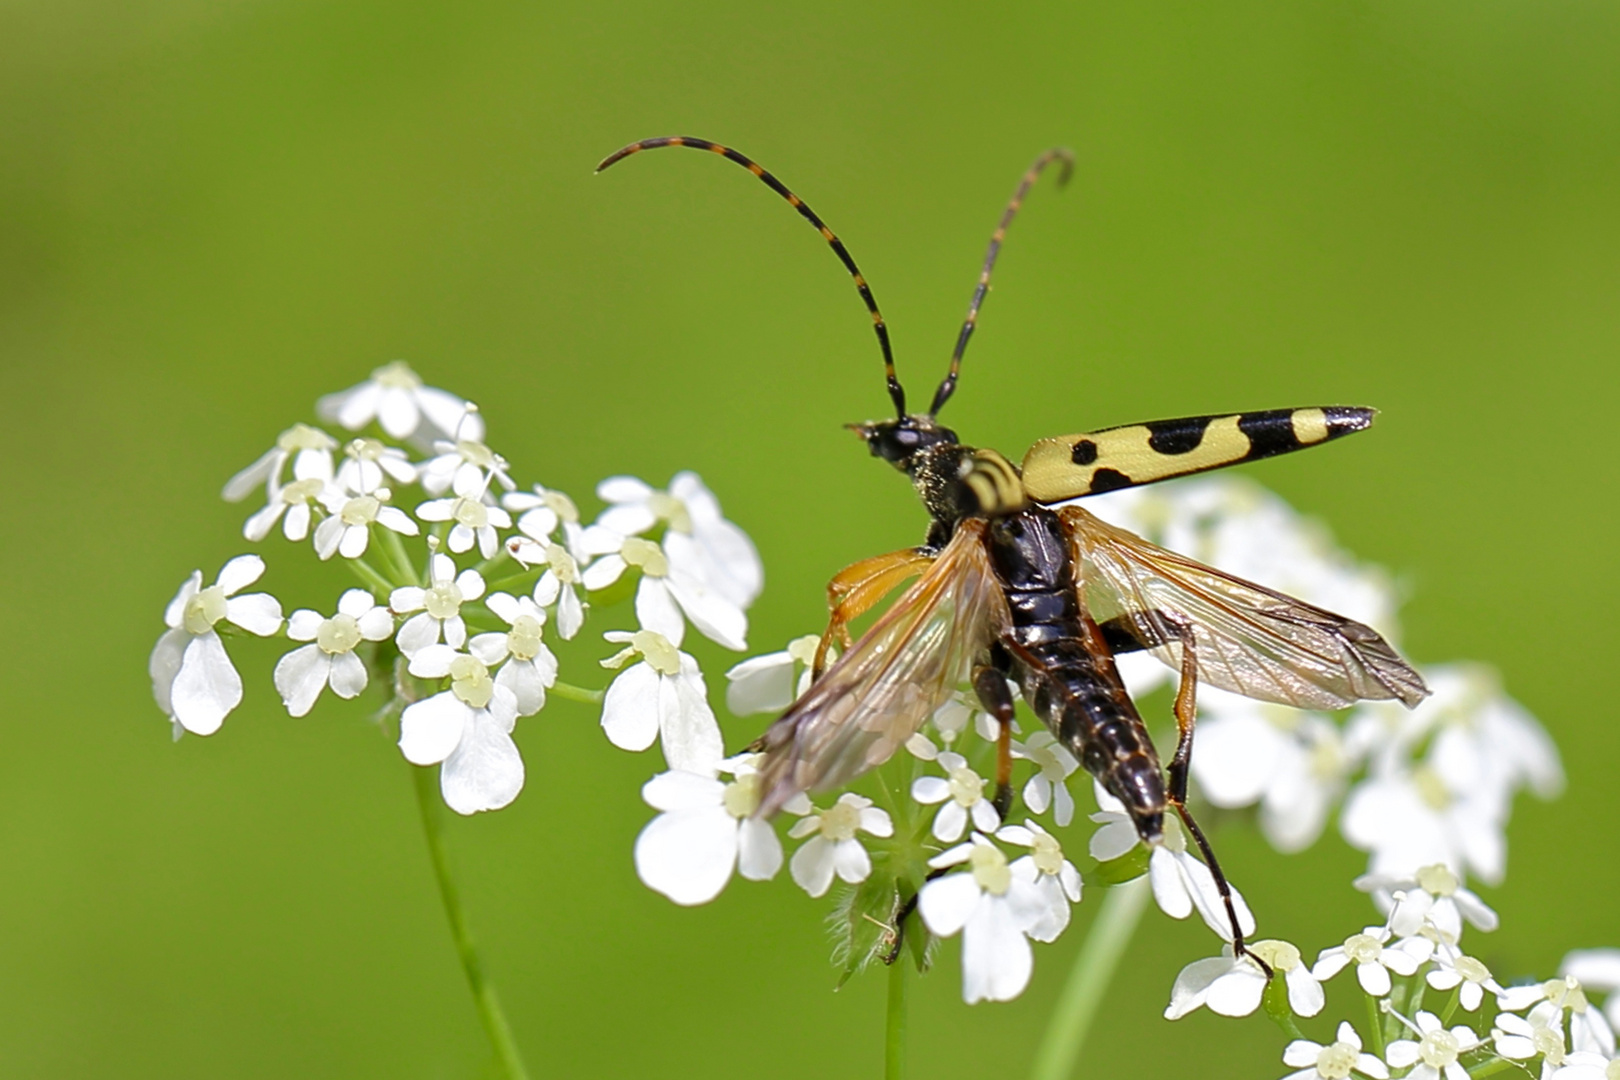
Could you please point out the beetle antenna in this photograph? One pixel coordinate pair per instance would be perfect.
(948, 387)
(896, 392)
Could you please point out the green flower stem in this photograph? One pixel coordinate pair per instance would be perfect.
(400, 562)
(374, 580)
(1093, 970)
(1451, 1006)
(483, 991)
(894, 1033)
(1496, 1065)
(1376, 1020)
(570, 692)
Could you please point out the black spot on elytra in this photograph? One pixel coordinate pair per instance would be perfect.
(1177, 436)
(1109, 480)
(1084, 453)
(1270, 433)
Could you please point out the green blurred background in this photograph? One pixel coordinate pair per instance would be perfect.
(210, 213)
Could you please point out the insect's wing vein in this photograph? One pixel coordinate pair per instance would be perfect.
(1250, 639)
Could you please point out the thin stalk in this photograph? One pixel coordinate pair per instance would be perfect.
(1088, 982)
(394, 548)
(894, 1033)
(483, 991)
(570, 692)
(368, 574)
(1376, 1019)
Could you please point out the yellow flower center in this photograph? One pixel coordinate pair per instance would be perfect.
(967, 786)
(1471, 969)
(1430, 788)
(1439, 1049)
(561, 505)
(471, 513)
(301, 491)
(470, 681)
(204, 610)
(656, 649)
(668, 508)
(397, 375)
(1047, 853)
(1280, 955)
(523, 641)
(1363, 948)
(339, 634)
(442, 599)
(840, 820)
(1336, 1061)
(741, 796)
(360, 510)
(990, 870)
(647, 555)
(304, 437)
(1437, 880)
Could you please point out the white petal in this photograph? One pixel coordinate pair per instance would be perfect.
(759, 852)
(630, 718)
(930, 789)
(812, 865)
(327, 535)
(1169, 890)
(947, 902)
(1401, 1053)
(1595, 969)
(687, 728)
(392, 517)
(520, 677)
(688, 855)
(603, 572)
(996, 958)
(257, 613)
(716, 618)
(760, 684)
(852, 861)
(1302, 1052)
(486, 770)
(258, 526)
(164, 665)
(504, 605)
(354, 541)
(950, 821)
(376, 624)
(1305, 995)
(471, 584)
(430, 730)
(682, 791)
(570, 614)
(1374, 979)
(876, 822)
(396, 411)
(1238, 992)
(176, 611)
(206, 686)
(419, 632)
(239, 573)
(348, 676)
(300, 676)
(238, 486)
(407, 598)
(656, 610)
(432, 662)
(1192, 987)
(490, 648)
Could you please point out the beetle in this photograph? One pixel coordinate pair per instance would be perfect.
(1017, 587)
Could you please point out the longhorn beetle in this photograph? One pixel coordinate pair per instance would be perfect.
(1012, 588)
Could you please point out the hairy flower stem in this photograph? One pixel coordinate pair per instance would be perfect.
(894, 1031)
(483, 991)
(1093, 970)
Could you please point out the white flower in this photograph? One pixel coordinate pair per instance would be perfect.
(1585, 1065)
(765, 684)
(706, 829)
(475, 522)
(348, 531)
(370, 463)
(662, 697)
(467, 727)
(962, 792)
(464, 466)
(1181, 884)
(1454, 969)
(193, 679)
(1588, 1029)
(542, 511)
(1374, 958)
(1597, 969)
(395, 397)
(559, 585)
(530, 668)
(700, 542)
(439, 606)
(329, 659)
(1522, 1038)
(994, 909)
(1292, 763)
(833, 846)
(1053, 765)
(666, 592)
(299, 501)
(1056, 880)
(1230, 986)
(1435, 1052)
(310, 451)
(1451, 806)
(1433, 895)
(1317, 1062)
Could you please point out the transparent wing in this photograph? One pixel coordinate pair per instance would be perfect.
(879, 693)
(1249, 639)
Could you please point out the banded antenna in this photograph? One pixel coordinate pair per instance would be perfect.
(896, 392)
(948, 387)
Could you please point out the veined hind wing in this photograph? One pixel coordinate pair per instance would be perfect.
(1249, 639)
(879, 693)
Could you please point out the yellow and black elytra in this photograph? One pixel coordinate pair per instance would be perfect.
(1011, 589)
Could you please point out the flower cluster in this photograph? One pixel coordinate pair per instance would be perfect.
(460, 580)
(1426, 792)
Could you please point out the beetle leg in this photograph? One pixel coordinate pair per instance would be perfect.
(991, 687)
(859, 587)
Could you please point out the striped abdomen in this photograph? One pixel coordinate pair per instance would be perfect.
(1058, 657)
